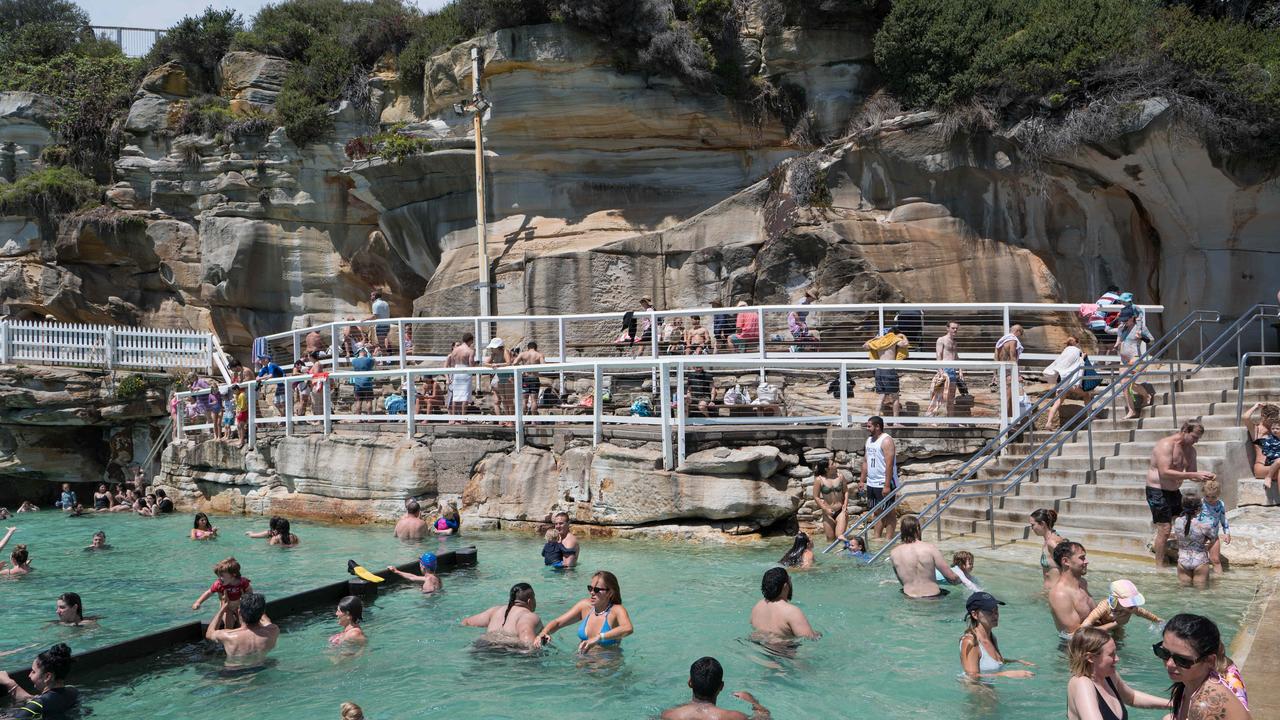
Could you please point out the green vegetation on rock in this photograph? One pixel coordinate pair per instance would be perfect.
(393, 146)
(198, 42)
(48, 193)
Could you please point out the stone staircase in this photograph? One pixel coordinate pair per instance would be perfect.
(1107, 510)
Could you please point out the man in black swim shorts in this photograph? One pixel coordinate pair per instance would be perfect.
(1173, 461)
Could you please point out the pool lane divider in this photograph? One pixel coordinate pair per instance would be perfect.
(151, 644)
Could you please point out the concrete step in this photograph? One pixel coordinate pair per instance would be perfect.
(1094, 539)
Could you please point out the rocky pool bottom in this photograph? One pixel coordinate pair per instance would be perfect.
(880, 654)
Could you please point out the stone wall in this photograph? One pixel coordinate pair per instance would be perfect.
(618, 487)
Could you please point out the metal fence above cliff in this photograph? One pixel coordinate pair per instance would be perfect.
(105, 347)
(134, 42)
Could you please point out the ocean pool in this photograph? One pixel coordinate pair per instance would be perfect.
(881, 656)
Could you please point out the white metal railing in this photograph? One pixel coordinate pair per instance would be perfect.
(834, 331)
(134, 42)
(673, 412)
(103, 346)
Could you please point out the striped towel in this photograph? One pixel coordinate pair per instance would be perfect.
(260, 347)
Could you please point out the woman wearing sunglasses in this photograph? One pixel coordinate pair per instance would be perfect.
(1190, 653)
(1095, 691)
(602, 621)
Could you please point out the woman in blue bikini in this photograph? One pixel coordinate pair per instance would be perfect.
(602, 620)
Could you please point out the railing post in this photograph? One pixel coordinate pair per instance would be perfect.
(560, 341)
(1173, 391)
(478, 351)
(880, 327)
(664, 396)
(519, 402)
(681, 410)
(109, 348)
(327, 396)
(411, 405)
(4, 341)
(1004, 396)
(400, 341)
(597, 411)
(1091, 477)
(760, 320)
(297, 345)
(334, 347)
(253, 415)
(991, 511)
(937, 495)
(1015, 390)
(844, 395)
(1005, 322)
(289, 389)
(179, 413)
(653, 333)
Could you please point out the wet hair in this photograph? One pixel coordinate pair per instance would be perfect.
(20, 556)
(73, 600)
(229, 566)
(100, 534)
(520, 593)
(1047, 517)
(252, 606)
(282, 529)
(532, 345)
(796, 553)
(195, 524)
(1085, 642)
(56, 661)
(909, 528)
(706, 678)
(962, 557)
(160, 493)
(860, 541)
(274, 523)
(352, 711)
(412, 507)
(1064, 550)
(877, 421)
(1191, 426)
(611, 582)
(352, 606)
(773, 582)
(1190, 509)
(1201, 634)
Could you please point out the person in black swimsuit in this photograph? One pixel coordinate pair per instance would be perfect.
(1095, 690)
(51, 697)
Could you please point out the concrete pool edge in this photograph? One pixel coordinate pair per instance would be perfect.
(149, 644)
(1257, 645)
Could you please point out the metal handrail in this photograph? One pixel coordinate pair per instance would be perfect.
(943, 501)
(1260, 311)
(1240, 379)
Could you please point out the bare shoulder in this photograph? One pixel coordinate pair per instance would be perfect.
(1214, 702)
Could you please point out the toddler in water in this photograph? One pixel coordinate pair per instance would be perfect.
(1214, 513)
(229, 586)
(447, 523)
(856, 548)
(1123, 601)
(427, 564)
(68, 501)
(552, 550)
(961, 565)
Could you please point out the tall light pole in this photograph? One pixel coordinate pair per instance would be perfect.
(477, 107)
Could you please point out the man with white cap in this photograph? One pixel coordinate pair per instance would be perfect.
(496, 356)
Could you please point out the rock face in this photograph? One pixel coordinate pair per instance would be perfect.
(64, 425)
(251, 80)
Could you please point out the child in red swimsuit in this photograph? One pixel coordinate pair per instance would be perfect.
(229, 587)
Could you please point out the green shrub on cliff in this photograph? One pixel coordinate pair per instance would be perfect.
(48, 193)
(198, 42)
(393, 146)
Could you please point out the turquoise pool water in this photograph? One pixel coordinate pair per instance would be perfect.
(880, 656)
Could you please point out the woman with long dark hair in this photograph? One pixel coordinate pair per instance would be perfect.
(516, 622)
(201, 529)
(1190, 651)
(70, 610)
(48, 676)
(801, 553)
(350, 614)
(277, 532)
(1042, 522)
(980, 655)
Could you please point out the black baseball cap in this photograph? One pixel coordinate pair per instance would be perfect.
(984, 601)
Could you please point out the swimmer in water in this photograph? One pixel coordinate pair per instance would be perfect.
(856, 548)
(706, 679)
(980, 655)
(513, 623)
(21, 560)
(449, 522)
(229, 587)
(28, 506)
(277, 533)
(201, 529)
(99, 542)
(431, 583)
(602, 620)
(350, 613)
(915, 562)
(775, 617)
(70, 610)
(255, 637)
(800, 555)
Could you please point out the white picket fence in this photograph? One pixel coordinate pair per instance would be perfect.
(108, 347)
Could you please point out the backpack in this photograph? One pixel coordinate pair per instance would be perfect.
(736, 396)
(606, 395)
(767, 393)
(394, 405)
(1091, 379)
(641, 407)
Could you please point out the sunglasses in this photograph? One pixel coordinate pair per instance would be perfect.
(594, 590)
(1179, 660)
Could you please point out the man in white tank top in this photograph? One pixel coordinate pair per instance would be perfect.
(879, 470)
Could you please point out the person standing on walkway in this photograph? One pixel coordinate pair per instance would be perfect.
(879, 470)
(916, 563)
(1173, 461)
(1131, 339)
(1009, 349)
(706, 679)
(529, 383)
(947, 380)
(888, 347)
(460, 383)
(381, 311)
